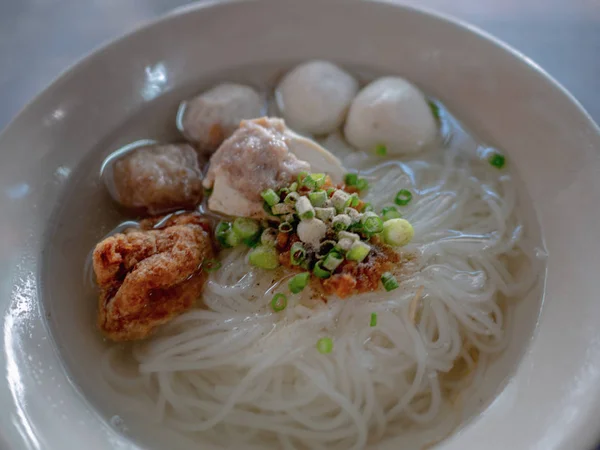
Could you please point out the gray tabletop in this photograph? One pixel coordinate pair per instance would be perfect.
(40, 38)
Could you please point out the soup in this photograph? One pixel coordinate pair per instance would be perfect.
(348, 273)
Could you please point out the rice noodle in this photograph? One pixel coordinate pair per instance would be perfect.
(237, 375)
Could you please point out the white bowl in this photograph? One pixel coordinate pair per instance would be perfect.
(543, 393)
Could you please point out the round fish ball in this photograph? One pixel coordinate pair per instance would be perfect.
(314, 97)
(390, 111)
(214, 115)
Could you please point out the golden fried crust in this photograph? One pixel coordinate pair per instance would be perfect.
(149, 276)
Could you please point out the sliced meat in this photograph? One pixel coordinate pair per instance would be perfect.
(256, 157)
(149, 276)
(210, 118)
(157, 178)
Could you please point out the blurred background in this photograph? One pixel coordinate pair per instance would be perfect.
(41, 38)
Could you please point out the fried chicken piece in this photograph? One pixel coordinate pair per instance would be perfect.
(148, 276)
(157, 178)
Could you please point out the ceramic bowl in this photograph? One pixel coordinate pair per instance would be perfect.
(542, 393)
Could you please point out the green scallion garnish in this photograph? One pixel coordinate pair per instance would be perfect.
(211, 265)
(397, 232)
(367, 207)
(264, 257)
(341, 222)
(390, 212)
(279, 302)
(270, 196)
(320, 271)
(435, 109)
(373, 322)
(381, 150)
(358, 251)
(351, 179)
(298, 282)
(286, 227)
(403, 197)
(332, 261)
(314, 181)
(325, 345)
(362, 184)
(304, 208)
(297, 253)
(226, 236)
(245, 228)
(291, 198)
(497, 160)
(389, 281)
(317, 198)
(372, 223)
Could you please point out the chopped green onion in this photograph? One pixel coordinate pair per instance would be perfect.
(332, 261)
(346, 235)
(304, 208)
(353, 213)
(356, 227)
(279, 302)
(208, 191)
(362, 184)
(381, 150)
(226, 236)
(246, 228)
(282, 208)
(397, 232)
(298, 282)
(344, 244)
(403, 197)
(353, 201)
(497, 160)
(211, 265)
(320, 272)
(252, 241)
(301, 176)
(358, 251)
(389, 281)
(267, 209)
(264, 257)
(351, 179)
(293, 187)
(330, 191)
(318, 198)
(341, 222)
(390, 212)
(325, 345)
(268, 237)
(339, 199)
(286, 227)
(297, 253)
(325, 247)
(372, 223)
(373, 322)
(314, 181)
(283, 191)
(435, 109)
(270, 196)
(325, 214)
(291, 198)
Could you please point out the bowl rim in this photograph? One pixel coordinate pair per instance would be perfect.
(587, 437)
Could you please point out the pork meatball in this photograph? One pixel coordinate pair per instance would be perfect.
(256, 157)
(147, 276)
(390, 111)
(156, 178)
(210, 118)
(314, 97)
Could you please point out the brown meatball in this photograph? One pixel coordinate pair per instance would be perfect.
(149, 276)
(157, 178)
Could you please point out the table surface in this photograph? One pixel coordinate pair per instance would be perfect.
(40, 38)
